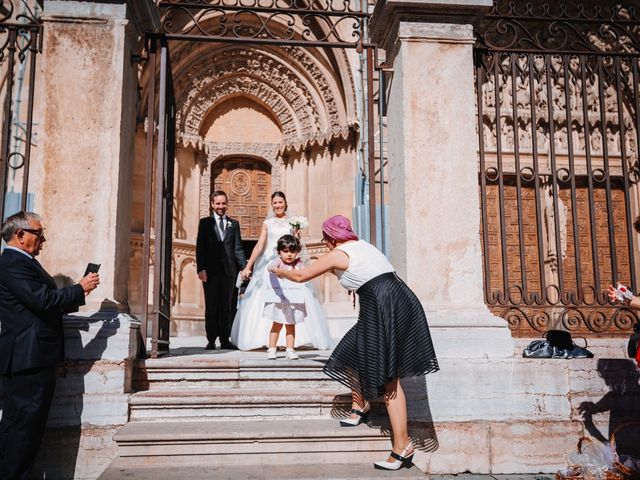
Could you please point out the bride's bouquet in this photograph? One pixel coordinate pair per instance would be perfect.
(299, 223)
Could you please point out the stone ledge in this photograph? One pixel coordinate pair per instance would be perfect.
(83, 12)
(389, 13)
(99, 335)
(466, 389)
(235, 396)
(446, 447)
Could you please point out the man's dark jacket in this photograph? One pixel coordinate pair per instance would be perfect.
(31, 309)
(217, 256)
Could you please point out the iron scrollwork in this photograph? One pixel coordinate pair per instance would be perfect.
(27, 15)
(571, 27)
(20, 41)
(19, 30)
(328, 6)
(297, 22)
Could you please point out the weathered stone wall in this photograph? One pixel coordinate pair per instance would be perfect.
(522, 416)
(86, 111)
(433, 154)
(90, 401)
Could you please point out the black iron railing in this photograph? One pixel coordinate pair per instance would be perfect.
(558, 101)
(326, 23)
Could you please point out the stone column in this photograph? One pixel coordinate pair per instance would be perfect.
(433, 169)
(86, 111)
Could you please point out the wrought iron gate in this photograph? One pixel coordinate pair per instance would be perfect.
(20, 42)
(306, 23)
(559, 128)
(161, 142)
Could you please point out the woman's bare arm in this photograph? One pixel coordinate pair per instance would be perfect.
(257, 250)
(334, 259)
(633, 303)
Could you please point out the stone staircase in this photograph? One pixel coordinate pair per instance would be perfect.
(242, 416)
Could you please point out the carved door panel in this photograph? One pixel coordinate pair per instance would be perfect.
(247, 182)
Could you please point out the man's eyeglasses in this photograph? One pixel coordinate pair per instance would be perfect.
(37, 232)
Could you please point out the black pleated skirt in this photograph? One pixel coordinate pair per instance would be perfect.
(390, 340)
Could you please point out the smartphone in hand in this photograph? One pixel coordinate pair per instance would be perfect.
(91, 268)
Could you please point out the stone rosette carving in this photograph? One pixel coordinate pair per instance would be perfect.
(218, 150)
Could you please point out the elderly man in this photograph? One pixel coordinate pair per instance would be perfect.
(31, 340)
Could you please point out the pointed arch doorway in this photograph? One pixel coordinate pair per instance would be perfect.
(308, 98)
(247, 182)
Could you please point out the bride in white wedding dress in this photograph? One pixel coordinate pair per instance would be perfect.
(250, 327)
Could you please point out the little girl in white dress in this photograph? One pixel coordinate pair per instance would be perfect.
(252, 324)
(284, 301)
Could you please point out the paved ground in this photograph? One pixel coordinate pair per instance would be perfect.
(291, 472)
(471, 476)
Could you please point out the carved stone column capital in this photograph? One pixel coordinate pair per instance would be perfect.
(438, 20)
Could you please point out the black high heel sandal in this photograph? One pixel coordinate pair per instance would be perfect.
(354, 422)
(399, 462)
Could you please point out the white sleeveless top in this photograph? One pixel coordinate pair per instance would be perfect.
(365, 262)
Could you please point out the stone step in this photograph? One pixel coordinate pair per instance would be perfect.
(209, 372)
(317, 471)
(249, 442)
(216, 403)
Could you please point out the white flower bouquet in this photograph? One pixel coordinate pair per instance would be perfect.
(299, 223)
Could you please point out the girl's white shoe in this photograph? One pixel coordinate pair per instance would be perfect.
(403, 460)
(291, 354)
(271, 353)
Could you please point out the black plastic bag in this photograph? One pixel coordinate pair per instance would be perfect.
(556, 344)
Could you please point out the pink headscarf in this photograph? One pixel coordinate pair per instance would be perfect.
(338, 228)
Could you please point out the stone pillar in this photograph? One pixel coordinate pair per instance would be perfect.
(433, 169)
(86, 111)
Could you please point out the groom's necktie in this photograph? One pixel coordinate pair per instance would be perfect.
(221, 226)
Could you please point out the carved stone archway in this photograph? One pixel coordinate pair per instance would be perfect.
(299, 89)
(274, 115)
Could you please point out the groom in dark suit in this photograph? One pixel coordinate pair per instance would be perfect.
(31, 340)
(219, 256)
